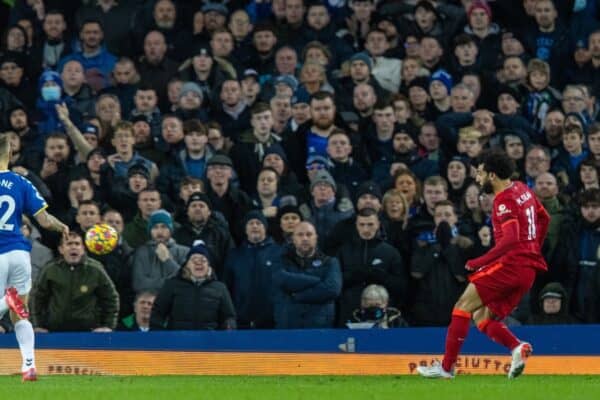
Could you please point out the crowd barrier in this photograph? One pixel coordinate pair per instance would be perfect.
(557, 350)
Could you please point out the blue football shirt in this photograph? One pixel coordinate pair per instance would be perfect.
(17, 197)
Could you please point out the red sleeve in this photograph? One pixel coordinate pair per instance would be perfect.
(510, 236)
(543, 219)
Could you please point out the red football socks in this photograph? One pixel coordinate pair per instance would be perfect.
(457, 333)
(499, 333)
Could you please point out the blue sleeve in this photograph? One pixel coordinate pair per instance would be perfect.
(33, 202)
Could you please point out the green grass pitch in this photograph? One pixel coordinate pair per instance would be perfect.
(284, 388)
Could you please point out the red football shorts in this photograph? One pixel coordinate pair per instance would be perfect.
(501, 286)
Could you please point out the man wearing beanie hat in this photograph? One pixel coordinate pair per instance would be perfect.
(327, 206)
(485, 32)
(160, 258)
(440, 85)
(191, 101)
(195, 288)
(248, 273)
(202, 223)
(418, 93)
(288, 217)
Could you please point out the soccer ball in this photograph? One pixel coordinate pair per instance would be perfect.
(101, 239)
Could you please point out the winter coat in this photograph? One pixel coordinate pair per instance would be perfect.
(438, 281)
(562, 317)
(149, 272)
(74, 297)
(183, 304)
(306, 290)
(215, 234)
(117, 265)
(249, 276)
(366, 262)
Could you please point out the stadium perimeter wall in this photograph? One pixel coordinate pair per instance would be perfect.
(557, 350)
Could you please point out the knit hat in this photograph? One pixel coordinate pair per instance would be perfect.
(140, 169)
(13, 57)
(90, 129)
(480, 4)
(191, 87)
(220, 159)
(463, 160)
(288, 80)
(316, 158)
(255, 214)
(199, 247)
(406, 129)
(47, 76)
(198, 196)
(289, 209)
(216, 7)
(160, 217)
(140, 117)
(300, 96)
(249, 72)
(364, 57)
(276, 148)
(203, 50)
(506, 89)
(420, 81)
(323, 176)
(443, 76)
(369, 187)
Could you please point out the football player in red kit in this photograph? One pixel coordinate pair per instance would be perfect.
(504, 274)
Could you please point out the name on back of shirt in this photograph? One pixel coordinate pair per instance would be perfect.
(524, 198)
(6, 183)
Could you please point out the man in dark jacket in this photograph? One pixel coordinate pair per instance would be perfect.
(248, 153)
(437, 267)
(73, 293)
(366, 259)
(248, 274)
(232, 202)
(307, 284)
(194, 299)
(202, 224)
(554, 306)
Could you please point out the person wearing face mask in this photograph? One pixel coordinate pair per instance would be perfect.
(50, 86)
(374, 310)
(194, 299)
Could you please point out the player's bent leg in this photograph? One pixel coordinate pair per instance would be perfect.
(458, 330)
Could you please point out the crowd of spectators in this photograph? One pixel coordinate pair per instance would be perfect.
(297, 163)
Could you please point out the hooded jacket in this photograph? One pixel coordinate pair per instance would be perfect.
(562, 317)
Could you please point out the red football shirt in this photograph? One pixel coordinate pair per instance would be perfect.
(520, 225)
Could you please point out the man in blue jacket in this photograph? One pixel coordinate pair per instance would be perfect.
(306, 283)
(249, 271)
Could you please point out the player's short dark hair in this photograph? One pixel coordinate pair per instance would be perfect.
(498, 162)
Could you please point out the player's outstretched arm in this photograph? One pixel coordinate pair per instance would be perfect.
(50, 222)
